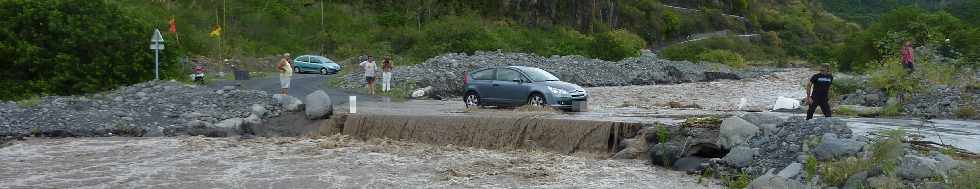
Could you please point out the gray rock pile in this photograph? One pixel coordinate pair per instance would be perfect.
(445, 73)
(774, 150)
(157, 108)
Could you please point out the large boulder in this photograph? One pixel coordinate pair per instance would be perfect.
(771, 181)
(740, 156)
(913, 167)
(259, 110)
(318, 105)
(833, 147)
(665, 154)
(765, 121)
(289, 103)
(735, 131)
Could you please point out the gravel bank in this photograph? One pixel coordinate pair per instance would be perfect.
(153, 108)
(332, 162)
(445, 73)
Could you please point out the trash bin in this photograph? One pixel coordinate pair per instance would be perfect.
(241, 75)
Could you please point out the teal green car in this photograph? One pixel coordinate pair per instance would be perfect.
(315, 64)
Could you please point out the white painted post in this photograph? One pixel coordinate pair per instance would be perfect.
(353, 104)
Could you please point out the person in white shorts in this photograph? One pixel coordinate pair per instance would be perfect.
(285, 73)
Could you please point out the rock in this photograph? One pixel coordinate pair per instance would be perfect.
(944, 163)
(735, 131)
(783, 103)
(791, 170)
(885, 182)
(856, 181)
(228, 88)
(141, 94)
(740, 156)
(420, 92)
(689, 164)
(770, 181)
(765, 121)
(665, 154)
(252, 120)
(233, 123)
(219, 92)
(832, 147)
(913, 167)
(259, 110)
(192, 115)
(634, 148)
(154, 132)
(289, 103)
(318, 105)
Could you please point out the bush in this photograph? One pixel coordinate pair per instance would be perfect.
(67, 47)
(894, 79)
(835, 173)
(616, 45)
(723, 56)
(845, 85)
(966, 112)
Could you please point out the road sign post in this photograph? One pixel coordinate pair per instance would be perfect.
(156, 44)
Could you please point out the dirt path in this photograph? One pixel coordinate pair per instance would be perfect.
(331, 162)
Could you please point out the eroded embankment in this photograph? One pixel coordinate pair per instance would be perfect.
(489, 132)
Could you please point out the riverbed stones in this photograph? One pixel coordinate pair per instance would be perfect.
(833, 147)
(735, 131)
(771, 181)
(740, 156)
(318, 105)
(791, 170)
(767, 122)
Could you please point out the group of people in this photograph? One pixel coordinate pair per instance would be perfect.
(370, 73)
(370, 68)
(818, 89)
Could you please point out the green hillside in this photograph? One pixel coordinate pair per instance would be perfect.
(62, 47)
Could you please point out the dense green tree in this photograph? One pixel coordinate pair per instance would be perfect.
(73, 46)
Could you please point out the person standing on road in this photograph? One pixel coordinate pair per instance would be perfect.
(818, 92)
(369, 73)
(386, 68)
(908, 56)
(285, 73)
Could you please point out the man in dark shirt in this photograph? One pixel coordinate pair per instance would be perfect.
(818, 92)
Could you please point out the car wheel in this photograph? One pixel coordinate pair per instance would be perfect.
(471, 99)
(297, 70)
(536, 100)
(323, 71)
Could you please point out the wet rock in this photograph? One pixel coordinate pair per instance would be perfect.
(665, 154)
(740, 156)
(832, 147)
(634, 148)
(791, 170)
(771, 181)
(318, 105)
(735, 131)
(689, 164)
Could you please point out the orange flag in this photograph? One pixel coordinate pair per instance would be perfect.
(173, 25)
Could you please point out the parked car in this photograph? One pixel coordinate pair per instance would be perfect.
(313, 63)
(519, 85)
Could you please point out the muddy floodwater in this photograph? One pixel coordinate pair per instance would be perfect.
(327, 162)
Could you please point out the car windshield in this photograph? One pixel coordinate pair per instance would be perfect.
(539, 75)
